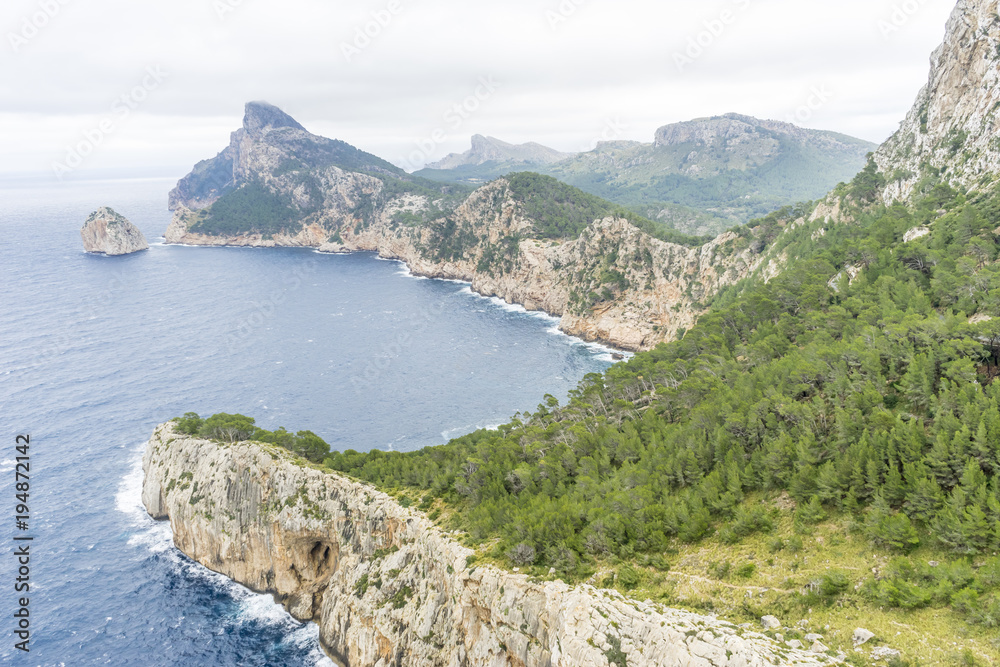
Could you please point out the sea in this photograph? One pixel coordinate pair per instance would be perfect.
(96, 351)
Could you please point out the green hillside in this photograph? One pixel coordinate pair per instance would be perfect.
(798, 409)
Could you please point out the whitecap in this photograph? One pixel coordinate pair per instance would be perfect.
(453, 433)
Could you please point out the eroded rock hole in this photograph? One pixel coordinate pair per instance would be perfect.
(320, 557)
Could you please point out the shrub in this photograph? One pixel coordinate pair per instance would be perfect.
(522, 554)
(190, 423)
(628, 578)
(833, 584)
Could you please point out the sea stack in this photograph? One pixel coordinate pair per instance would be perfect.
(108, 232)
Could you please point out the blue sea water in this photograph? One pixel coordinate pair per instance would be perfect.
(95, 351)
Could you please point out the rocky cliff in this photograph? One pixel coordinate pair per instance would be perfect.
(108, 232)
(386, 587)
(609, 280)
(612, 283)
(952, 128)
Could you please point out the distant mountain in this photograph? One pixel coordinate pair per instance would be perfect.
(705, 175)
(492, 151)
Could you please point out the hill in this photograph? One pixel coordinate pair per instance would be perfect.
(706, 175)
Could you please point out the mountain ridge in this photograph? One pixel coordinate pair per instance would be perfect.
(701, 176)
(490, 149)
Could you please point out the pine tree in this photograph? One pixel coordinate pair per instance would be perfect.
(810, 513)
(894, 490)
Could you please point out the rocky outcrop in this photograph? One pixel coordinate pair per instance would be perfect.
(387, 588)
(733, 129)
(108, 232)
(953, 125)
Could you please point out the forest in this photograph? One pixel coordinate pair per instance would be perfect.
(562, 211)
(858, 384)
(871, 398)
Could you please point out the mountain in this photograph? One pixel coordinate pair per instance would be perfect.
(819, 453)
(951, 131)
(271, 149)
(492, 154)
(609, 273)
(706, 175)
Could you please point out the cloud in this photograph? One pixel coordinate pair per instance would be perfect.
(382, 74)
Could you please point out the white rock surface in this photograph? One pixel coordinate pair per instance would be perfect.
(954, 123)
(770, 622)
(862, 636)
(884, 653)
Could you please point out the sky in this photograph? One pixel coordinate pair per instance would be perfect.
(152, 87)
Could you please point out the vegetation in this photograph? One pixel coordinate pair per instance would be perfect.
(810, 419)
(871, 400)
(237, 428)
(562, 211)
(251, 208)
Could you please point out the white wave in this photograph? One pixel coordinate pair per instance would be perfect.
(156, 537)
(404, 269)
(7, 465)
(453, 433)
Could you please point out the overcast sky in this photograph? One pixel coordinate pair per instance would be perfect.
(156, 85)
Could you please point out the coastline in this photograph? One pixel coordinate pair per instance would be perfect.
(387, 586)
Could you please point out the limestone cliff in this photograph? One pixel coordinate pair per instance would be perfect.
(108, 232)
(387, 588)
(953, 125)
(608, 280)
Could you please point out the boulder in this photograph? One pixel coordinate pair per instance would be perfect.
(862, 636)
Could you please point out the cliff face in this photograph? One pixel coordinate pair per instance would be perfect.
(105, 231)
(953, 125)
(614, 283)
(386, 587)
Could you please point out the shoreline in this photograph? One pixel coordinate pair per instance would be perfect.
(429, 597)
